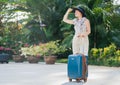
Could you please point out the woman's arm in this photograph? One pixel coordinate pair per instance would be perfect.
(88, 30)
(65, 18)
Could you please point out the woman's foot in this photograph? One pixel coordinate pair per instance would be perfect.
(70, 80)
(85, 79)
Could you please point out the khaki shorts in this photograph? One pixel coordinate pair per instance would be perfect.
(80, 45)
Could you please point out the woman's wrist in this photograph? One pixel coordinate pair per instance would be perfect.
(82, 35)
(69, 10)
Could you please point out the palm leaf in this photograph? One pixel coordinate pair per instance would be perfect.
(67, 42)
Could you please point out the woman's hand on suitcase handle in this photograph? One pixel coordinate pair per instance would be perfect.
(81, 35)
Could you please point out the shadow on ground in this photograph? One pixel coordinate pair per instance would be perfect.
(72, 83)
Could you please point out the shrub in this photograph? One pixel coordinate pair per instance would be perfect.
(108, 56)
(109, 51)
(51, 48)
(96, 54)
(44, 49)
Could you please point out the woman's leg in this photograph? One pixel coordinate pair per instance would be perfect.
(87, 65)
(75, 45)
(84, 74)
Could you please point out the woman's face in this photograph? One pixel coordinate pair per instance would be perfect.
(78, 14)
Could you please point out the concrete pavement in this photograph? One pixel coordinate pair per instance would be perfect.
(42, 74)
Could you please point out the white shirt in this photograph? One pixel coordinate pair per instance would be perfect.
(79, 25)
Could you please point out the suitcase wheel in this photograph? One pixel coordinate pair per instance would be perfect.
(78, 80)
(7, 62)
(85, 79)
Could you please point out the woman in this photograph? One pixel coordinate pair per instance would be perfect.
(80, 43)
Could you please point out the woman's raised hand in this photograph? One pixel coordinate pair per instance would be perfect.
(69, 10)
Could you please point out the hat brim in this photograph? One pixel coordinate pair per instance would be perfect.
(80, 10)
(74, 10)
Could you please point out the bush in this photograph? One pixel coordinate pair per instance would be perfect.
(108, 56)
(44, 49)
(96, 54)
(51, 48)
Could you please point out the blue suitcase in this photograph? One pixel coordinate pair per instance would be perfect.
(75, 67)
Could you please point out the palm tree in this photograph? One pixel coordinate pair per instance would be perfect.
(47, 12)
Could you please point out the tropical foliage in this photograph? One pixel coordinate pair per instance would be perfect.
(108, 56)
(44, 23)
(43, 49)
(49, 14)
(99, 13)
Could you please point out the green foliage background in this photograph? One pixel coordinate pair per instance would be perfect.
(103, 15)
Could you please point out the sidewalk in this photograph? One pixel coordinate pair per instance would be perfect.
(42, 74)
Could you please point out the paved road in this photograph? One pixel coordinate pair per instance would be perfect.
(42, 74)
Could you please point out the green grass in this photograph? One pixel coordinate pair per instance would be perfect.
(107, 62)
(92, 62)
(61, 60)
